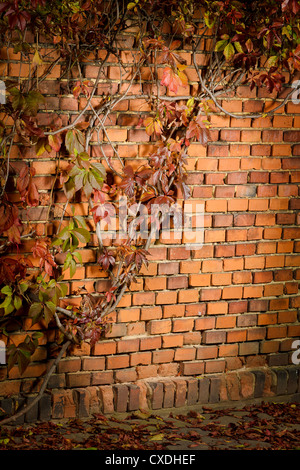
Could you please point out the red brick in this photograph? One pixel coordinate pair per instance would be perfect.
(178, 282)
(185, 354)
(156, 283)
(236, 336)
(168, 268)
(210, 294)
(184, 324)
(143, 298)
(214, 337)
(151, 313)
(172, 340)
(237, 178)
(166, 298)
(227, 321)
(218, 365)
(140, 358)
(166, 355)
(179, 253)
(118, 362)
(193, 368)
(104, 348)
(127, 345)
(150, 343)
(207, 352)
(170, 311)
(157, 327)
(205, 323)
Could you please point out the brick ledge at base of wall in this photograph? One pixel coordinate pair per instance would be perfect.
(160, 394)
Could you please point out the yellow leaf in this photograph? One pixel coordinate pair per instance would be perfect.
(157, 437)
(37, 60)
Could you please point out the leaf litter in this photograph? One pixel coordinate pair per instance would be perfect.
(272, 426)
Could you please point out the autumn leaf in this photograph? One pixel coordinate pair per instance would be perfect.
(103, 211)
(153, 126)
(182, 76)
(55, 141)
(171, 80)
(82, 87)
(13, 233)
(106, 259)
(75, 141)
(37, 60)
(168, 56)
(229, 51)
(26, 186)
(198, 129)
(41, 250)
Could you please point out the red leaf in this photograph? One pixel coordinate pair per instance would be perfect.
(9, 215)
(106, 259)
(170, 80)
(13, 233)
(26, 187)
(32, 197)
(55, 142)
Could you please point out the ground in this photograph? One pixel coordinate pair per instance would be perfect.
(257, 426)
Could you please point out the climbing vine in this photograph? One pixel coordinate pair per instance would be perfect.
(226, 49)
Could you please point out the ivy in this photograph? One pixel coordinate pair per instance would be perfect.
(33, 286)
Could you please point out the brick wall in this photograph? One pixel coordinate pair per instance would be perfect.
(222, 317)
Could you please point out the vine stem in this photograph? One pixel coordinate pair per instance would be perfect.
(42, 389)
(228, 113)
(8, 158)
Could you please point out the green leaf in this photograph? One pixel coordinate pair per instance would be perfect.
(35, 311)
(69, 188)
(64, 234)
(33, 101)
(63, 289)
(229, 51)
(23, 286)
(67, 244)
(82, 234)
(238, 46)
(72, 268)
(37, 335)
(23, 360)
(51, 306)
(95, 179)
(18, 100)
(6, 302)
(78, 256)
(80, 220)
(209, 21)
(9, 309)
(272, 61)
(88, 187)
(220, 45)
(100, 169)
(12, 354)
(7, 290)
(17, 302)
(49, 310)
(75, 141)
(4, 441)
